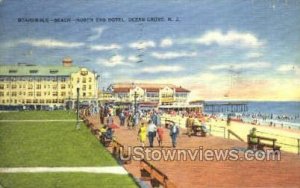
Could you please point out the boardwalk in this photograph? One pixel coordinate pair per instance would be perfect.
(240, 173)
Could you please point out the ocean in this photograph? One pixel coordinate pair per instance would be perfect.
(283, 112)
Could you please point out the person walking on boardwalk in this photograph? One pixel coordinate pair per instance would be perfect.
(189, 125)
(142, 134)
(160, 133)
(122, 118)
(109, 120)
(151, 132)
(174, 131)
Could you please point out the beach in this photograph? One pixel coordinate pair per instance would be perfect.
(286, 138)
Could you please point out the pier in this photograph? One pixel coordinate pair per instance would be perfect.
(225, 107)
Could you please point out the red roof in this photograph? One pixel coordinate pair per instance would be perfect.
(152, 89)
(180, 89)
(121, 90)
(125, 87)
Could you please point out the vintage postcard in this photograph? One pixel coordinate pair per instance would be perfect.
(149, 93)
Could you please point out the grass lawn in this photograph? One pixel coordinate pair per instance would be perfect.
(65, 180)
(29, 115)
(50, 144)
(53, 144)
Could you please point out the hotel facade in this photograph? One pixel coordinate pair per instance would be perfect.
(40, 87)
(149, 95)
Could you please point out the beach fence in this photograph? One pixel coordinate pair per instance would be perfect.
(219, 131)
(290, 144)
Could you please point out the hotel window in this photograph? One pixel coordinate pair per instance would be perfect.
(90, 94)
(45, 93)
(38, 94)
(54, 86)
(24, 93)
(14, 86)
(83, 94)
(13, 71)
(1, 94)
(63, 94)
(55, 93)
(7, 85)
(30, 86)
(63, 86)
(45, 86)
(90, 79)
(38, 86)
(48, 101)
(83, 87)
(42, 100)
(1, 86)
(90, 86)
(30, 94)
(7, 93)
(20, 86)
(28, 101)
(53, 71)
(54, 100)
(84, 80)
(63, 79)
(33, 71)
(20, 93)
(35, 101)
(13, 94)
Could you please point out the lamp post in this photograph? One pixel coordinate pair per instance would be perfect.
(135, 95)
(77, 122)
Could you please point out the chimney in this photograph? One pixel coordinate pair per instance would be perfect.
(67, 62)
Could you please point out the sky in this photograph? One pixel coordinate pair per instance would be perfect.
(220, 50)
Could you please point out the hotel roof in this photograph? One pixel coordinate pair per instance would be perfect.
(150, 87)
(36, 70)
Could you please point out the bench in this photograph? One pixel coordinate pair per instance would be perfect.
(154, 175)
(261, 145)
(105, 141)
(196, 129)
(120, 153)
(169, 123)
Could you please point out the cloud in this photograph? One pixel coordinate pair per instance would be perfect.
(173, 55)
(97, 32)
(142, 44)
(162, 68)
(50, 43)
(133, 58)
(287, 68)
(105, 47)
(254, 54)
(167, 42)
(240, 66)
(113, 61)
(231, 38)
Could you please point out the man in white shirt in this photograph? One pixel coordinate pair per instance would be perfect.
(151, 132)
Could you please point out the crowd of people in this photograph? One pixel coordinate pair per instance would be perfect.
(148, 123)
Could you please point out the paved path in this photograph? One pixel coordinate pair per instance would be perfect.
(240, 173)
(97, 170)
(41, 120)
